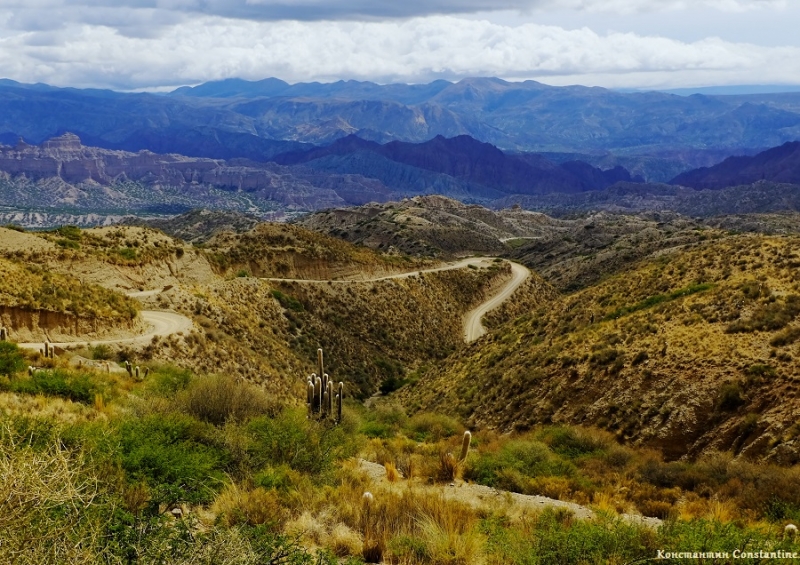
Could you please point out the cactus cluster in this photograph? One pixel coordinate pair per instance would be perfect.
(322, 393)
(49, 351)
(135, 372)
(3, 334)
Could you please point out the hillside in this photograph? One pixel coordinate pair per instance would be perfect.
(463, 158)
(776, 165)
(688, 351)
(430, 226)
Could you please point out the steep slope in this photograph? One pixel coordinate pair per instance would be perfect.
(777, 165)
(689, 351)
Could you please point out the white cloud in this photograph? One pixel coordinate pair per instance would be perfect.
(204, 48)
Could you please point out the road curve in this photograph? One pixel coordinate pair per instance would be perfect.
(473, 329)
(162, 324)
(477, 261)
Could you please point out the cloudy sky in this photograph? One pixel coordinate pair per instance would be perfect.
(162, 44)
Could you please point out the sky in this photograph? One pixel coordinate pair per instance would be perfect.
(159, 45)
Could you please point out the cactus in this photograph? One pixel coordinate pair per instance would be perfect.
(146, 372)
(465, 446)
(137, 372)
(46, 349)
(30, 371)
(339, 397)
(3, 334)
(129, 368)
(321, 392)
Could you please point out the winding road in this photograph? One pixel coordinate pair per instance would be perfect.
(473, 328)
(164, 324)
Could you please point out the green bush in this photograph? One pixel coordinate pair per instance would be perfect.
(304, 445)
(78, 387)
(175, 455)
(730, 397)
(219, 399)
(287, 301)
(167, 380)
(516, 460)
(431, 427)
(11, 359)
(101, 352)
(574, 442)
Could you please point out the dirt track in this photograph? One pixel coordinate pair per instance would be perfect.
(162, 324)
(473, 329)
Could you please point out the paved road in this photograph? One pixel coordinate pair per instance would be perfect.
(162, 324)
(473, 329)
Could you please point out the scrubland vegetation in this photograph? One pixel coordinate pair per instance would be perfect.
(688, 352)
(186, 468)
(31, 287)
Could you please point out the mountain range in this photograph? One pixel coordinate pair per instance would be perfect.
(653, 134)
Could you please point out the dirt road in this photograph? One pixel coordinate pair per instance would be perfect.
(162, 324)
(477, 261)
(473, 329)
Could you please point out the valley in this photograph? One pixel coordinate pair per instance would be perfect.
(482, 322)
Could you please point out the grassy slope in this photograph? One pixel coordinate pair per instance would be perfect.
(30, 287)
(674, 353)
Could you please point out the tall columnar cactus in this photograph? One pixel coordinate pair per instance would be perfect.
(129, 368)
(46, 349)
(146, 372)
(322, 395)
(3, 334)
(465, 446)
(339, 397)
(137, 372)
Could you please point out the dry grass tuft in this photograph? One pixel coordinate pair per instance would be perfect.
(392, 474)
(258, 506)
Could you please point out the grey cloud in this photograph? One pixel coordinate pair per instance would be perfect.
(318, 10)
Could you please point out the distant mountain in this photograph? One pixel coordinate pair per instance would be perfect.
(62, 177)
(467, 160)
(777, 165)
(651, 133)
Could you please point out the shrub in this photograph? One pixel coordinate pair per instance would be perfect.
(304, 445)
(430, 427)
(574, 442)
(78, 387)
(786, 337)
(218, 399)
(101, 352)
(174, 455)
(11, 359)
(168, 380)
(730, 396)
